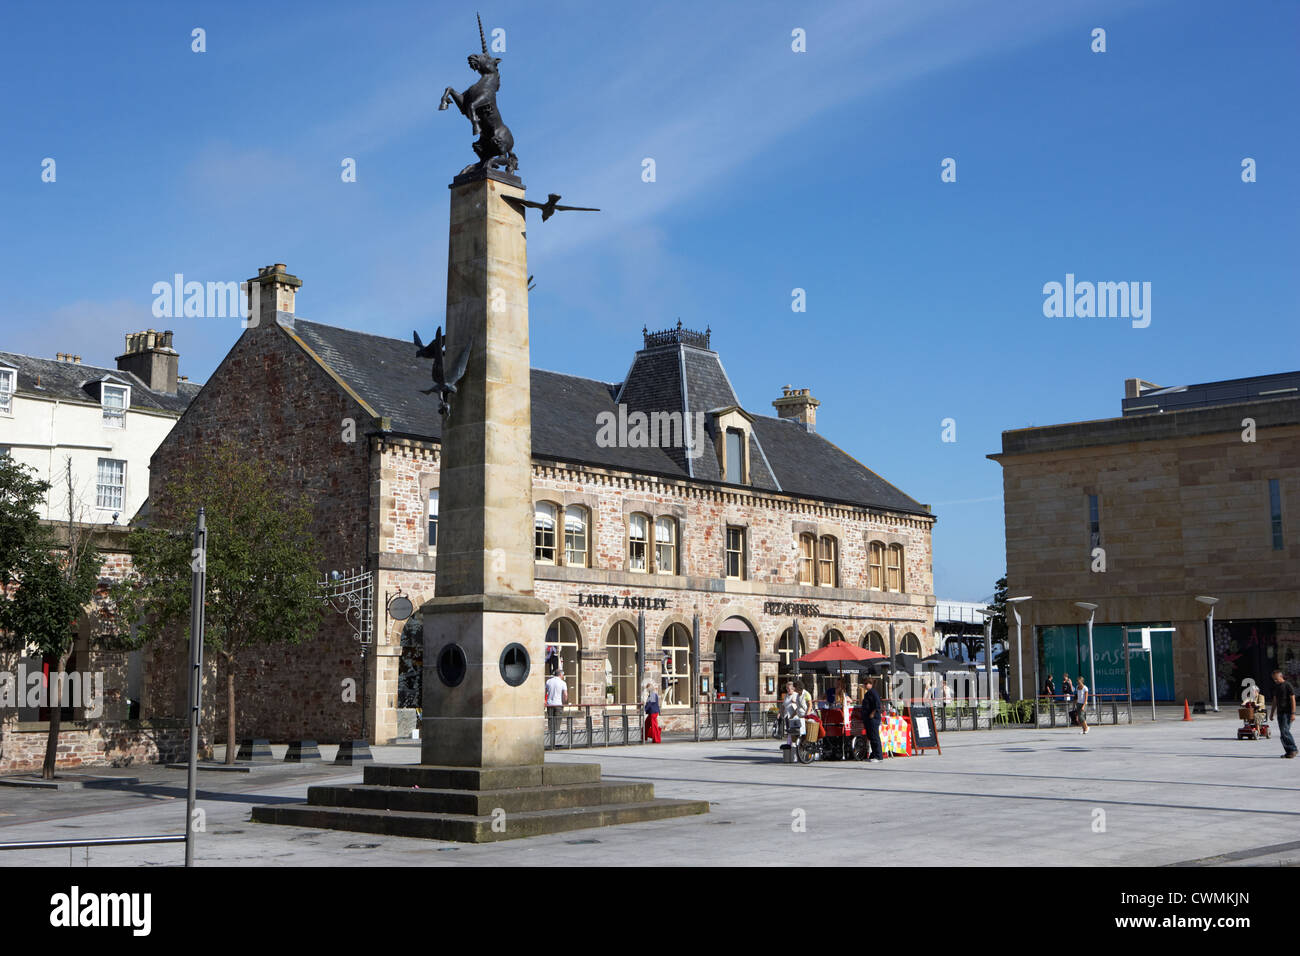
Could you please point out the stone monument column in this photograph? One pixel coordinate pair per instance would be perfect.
(484, 678)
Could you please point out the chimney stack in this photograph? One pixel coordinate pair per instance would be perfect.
(67, 357)
(798, 405)
(275, 289)
(150, 357)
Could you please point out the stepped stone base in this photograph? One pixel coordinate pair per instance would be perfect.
(477, 805)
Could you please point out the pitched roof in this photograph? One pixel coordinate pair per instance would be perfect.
(784, 456)
(71, 381)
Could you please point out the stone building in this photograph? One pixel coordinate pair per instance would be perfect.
(678, 536)
(1184, 496)
(101, 426)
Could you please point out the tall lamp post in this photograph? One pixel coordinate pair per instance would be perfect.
(1209, 649)
(1020, 671)
(1092, 664)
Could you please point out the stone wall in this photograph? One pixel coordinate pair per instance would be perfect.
(276, 404)
(93, 744)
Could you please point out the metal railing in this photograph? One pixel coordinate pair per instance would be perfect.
(101, 841)
(594, 725)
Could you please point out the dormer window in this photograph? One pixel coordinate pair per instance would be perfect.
(731, 430)
(8, 382)
(115, 399)
(735, 457)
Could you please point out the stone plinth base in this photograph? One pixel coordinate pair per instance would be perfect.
(478, 804)
(482, 721)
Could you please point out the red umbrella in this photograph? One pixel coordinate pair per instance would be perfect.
(839, 651)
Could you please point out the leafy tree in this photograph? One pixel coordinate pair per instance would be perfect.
(262, 561)
(47, 583)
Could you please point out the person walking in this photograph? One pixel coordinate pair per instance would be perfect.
(1049, 689)
(1067, 696)
(871, 711)
(1283, 705)
(557, 696)
(651, 713)
(1082, 694)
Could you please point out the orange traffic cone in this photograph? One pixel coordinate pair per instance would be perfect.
(1187, 711)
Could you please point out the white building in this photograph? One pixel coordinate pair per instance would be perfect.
(106, 421)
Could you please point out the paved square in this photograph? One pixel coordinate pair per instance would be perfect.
(1167, 792)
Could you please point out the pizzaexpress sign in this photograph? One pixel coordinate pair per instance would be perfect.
(787, 609)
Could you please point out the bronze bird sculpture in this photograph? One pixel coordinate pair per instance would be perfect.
(443, 384)
(548, 208)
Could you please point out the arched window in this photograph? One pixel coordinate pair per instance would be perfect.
(676, 666)
(875, 564)
(894, 568)
(637, 542)
(544, 533)
(826, 569)
(911, 644)
(575, 536)
(807, 567)
(874, 641)
(665, 545)
(832, 635)
(563, 636)
(620, 664)
(787, 650)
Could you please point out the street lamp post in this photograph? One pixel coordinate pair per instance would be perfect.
(1209, 649)
(1092, 664)
(1020, 671)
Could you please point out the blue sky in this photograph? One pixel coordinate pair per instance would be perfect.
(775, 170)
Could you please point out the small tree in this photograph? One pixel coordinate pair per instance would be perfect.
(47, 584)
(262, 562)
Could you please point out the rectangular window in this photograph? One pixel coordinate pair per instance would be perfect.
(575, 536)
(665, 546)
(7, 391)
(735, 457)
(544, 534)
(1275, 512)
(433, 517)
(894, 568)
(1094, 523)
(637, 533)
(113, 398)
(875, 560)
(110, 485)
(826, 561)
(735, 552)
(805, 559)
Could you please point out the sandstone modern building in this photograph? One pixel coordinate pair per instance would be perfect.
(659, 558)
(1189, 494)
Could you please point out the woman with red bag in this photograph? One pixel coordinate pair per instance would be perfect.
(651, 713)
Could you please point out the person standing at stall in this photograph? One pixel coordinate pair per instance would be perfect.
(871, 712)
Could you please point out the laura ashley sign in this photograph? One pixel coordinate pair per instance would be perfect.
(632, 602)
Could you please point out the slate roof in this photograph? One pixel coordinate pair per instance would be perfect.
(69, 382)
(783, 455)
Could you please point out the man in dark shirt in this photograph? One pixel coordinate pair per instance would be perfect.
(871, 718)
(1283, 704)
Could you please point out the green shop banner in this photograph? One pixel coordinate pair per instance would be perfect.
(1064, 650)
